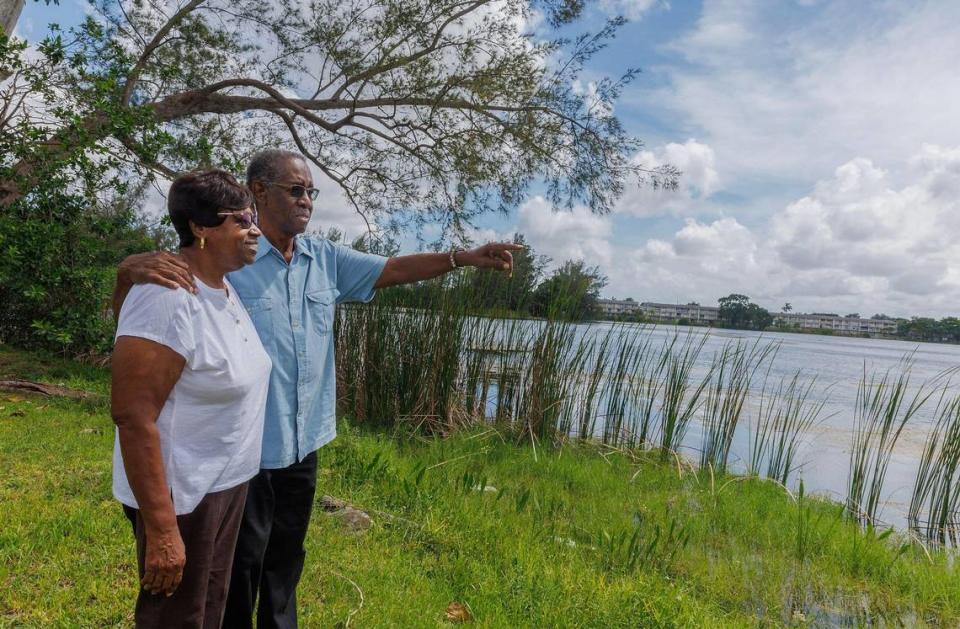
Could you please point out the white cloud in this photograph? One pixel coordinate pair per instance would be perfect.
(787, 92)
(480, 236)
(698, 181)
(856, 242)
(566, 235)
(630, 9)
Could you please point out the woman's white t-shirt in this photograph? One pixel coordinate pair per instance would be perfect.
(211, 426)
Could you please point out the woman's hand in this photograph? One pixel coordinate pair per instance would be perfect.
(164, 561)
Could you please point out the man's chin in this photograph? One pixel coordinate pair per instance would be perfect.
(300, 224)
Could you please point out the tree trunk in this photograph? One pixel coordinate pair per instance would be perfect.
(9, 14)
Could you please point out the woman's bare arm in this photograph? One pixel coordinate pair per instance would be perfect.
(144, 373)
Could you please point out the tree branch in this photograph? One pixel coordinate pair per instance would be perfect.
(152, 46)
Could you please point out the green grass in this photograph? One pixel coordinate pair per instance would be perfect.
(576, 536)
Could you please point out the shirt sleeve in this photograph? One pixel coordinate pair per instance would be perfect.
(357, 272)
(161, 315)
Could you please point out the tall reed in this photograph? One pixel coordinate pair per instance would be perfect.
(784, 416)
(547, 383)
(934, 510)
(621, 409)
(734, 369)
(681, 396)
(883, 408)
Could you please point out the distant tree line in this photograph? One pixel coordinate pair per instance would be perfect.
(927, 329)
(569, 292)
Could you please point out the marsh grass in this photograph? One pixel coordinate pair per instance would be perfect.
(934, 511)
(785, 415)
(582, 535)
(735, 367)
(884, 406)
(547, 382)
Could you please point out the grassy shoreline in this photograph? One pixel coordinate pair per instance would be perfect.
(576, 536)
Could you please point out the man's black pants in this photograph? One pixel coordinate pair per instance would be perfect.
(270, 553)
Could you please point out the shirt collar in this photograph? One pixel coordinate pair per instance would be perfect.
(264, 247)
(301, 247)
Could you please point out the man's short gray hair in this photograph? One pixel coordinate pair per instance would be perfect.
(265, 165)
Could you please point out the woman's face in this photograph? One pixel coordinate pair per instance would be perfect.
(234, 241)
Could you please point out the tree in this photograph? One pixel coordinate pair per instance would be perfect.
(420, 111)
(928, 329)
(571, 292)
(495, 291)
(733, 310)
(736, 311)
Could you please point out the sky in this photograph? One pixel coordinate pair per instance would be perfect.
(819, 146)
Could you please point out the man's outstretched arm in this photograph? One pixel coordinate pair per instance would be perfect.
(423, 266)
(154, 267)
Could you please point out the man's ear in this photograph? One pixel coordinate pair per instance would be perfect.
(258, 189)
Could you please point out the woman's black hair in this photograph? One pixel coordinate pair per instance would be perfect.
(199, 196)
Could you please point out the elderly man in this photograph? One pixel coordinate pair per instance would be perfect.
(291, 291)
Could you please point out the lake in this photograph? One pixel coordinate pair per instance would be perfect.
(837, 363)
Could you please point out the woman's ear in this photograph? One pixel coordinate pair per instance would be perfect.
(199, 231)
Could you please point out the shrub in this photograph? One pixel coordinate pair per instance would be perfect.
(58, 255)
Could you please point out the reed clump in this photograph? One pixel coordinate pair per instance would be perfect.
(884, 406)
(545, 382)
(935, 504)
(548, 381)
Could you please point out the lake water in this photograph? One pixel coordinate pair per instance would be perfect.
(838, 364)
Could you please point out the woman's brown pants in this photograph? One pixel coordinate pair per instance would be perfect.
(209, 535)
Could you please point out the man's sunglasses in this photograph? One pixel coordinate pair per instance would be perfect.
(245, 218)
(296, 190)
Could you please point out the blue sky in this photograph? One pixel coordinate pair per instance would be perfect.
(819, 144)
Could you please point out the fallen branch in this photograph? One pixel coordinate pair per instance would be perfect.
(20, 386)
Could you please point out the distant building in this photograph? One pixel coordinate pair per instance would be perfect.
(708, 315)
(836, 323)
(692, 312)
(618, 308)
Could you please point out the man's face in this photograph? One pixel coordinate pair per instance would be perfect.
(276, 204)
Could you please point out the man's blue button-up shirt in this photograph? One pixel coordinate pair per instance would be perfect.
(292, 307)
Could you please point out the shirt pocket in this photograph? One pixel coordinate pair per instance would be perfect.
(321, 304)
(262, 315)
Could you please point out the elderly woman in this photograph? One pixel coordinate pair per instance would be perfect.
(190, 383)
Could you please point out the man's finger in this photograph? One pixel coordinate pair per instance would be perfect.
(509, 246)
(159, 280)
(176, 265)
(184, 275)
(171, 279)
(183, 278)
(162, 280)
(176, 260)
